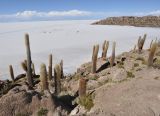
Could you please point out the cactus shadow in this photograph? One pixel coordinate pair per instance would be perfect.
(104, 66)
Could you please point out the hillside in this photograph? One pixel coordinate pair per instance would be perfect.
(121, 85)
(145, 21)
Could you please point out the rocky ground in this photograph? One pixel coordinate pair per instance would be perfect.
(129, 88)
(146, 21)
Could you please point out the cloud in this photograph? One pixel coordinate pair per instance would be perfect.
(153, 13)
(32, 15)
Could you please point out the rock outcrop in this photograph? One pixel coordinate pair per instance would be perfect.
(145, 21)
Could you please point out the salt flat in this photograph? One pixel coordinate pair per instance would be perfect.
(71, 41)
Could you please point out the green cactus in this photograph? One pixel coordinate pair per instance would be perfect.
(112, 60)
(94, 58)
(50, 68)
(82, 87)
(29, 61)
(105, 49)
(11, 72)
(57, 77)
(151, 54)
(43, 77)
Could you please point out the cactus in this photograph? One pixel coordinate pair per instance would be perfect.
(24, 66)
(94, 58)
(43, 77)
(11, 72)
(50, 67)
(151, 54)
(57, 77)
(141, 42)
(29, 62)
(151, 44)
(105, 49)
(33, 69)
(113, 54)
(82, 87)
(61, 63)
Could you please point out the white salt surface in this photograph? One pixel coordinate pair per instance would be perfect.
(71, 41)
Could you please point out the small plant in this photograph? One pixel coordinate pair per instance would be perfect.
(120, 65)
(11, 72)
(86, 101)
(21, 114)
(42, 112)
(130, 75)
(136, 64)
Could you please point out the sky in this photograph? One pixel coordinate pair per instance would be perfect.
(24, 10)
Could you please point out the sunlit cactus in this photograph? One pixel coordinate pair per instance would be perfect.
(57, 77)
(105, 49)
(94, 58)
(43, 77)
(151, 54)
(50, 67)
(29, 61)
(82, 87)
(11, 72)
(112, 59)
(141, 42)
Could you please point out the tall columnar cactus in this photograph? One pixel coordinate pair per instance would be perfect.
(61, 64)
(105, 49)
(11, 72)
(82, 87)
(141, 42)
(43, 77)
(112, 60)
(29, 61)
(50, 67)
(94, 58)
(57, 77)
(151, 54)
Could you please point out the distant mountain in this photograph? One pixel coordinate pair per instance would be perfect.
(145, 21)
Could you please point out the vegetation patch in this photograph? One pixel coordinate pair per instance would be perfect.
(86, 101)
(130, 74)
(136, 64)
(42, 112)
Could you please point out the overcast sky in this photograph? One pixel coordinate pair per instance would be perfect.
(28, 10)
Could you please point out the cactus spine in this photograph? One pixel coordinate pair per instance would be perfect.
(11, 72)
(113, 54)
(29, 62)
(94, 58)
(43, 77)
(57, 77)
(151, 54)
(50, 67)
(82, 87)
(105, 49)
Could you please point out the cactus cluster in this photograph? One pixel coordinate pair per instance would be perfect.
(94, 58)
(105, 49)
(141, 42)
(112, 59)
